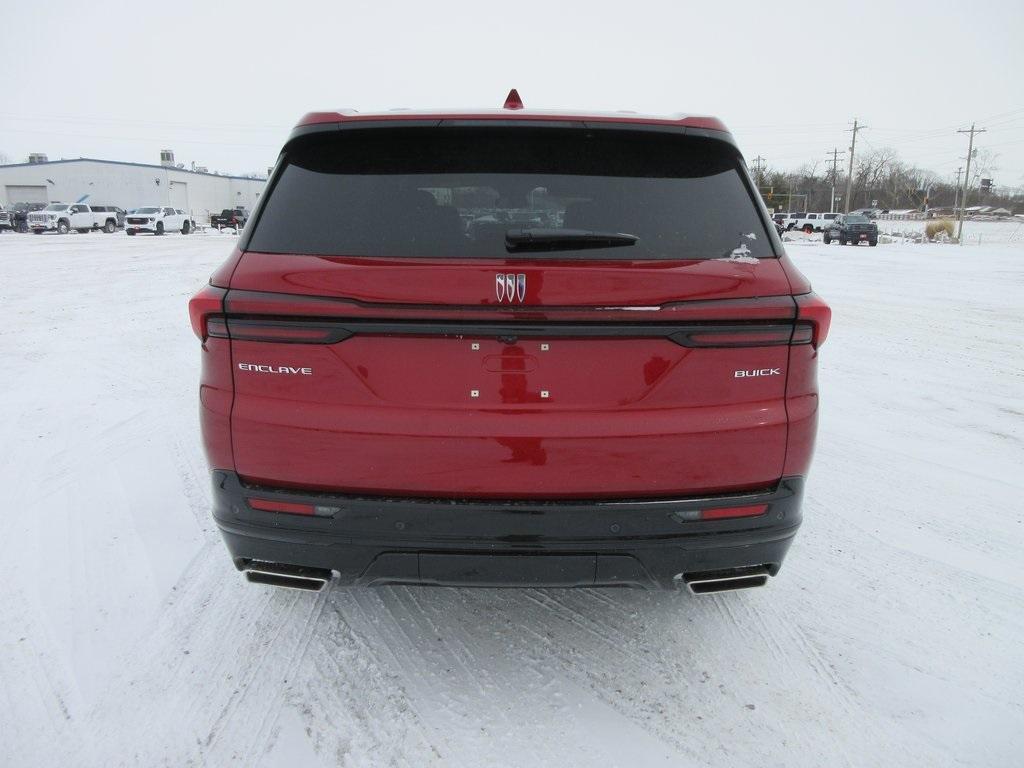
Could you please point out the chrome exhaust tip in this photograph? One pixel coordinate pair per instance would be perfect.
(288, 576)
(711, 582)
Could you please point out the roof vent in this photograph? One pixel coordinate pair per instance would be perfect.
(512, 101)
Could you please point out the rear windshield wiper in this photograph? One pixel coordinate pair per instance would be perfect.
(564, 239)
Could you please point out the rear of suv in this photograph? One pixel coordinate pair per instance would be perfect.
(509, 348)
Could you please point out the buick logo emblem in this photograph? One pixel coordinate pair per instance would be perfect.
(510, 288)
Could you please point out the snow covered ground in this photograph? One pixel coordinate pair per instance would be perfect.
(976, 233)
(894, 635)
(982, 233)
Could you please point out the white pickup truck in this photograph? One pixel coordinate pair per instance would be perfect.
(158, 220)
(63, 217)
(809, 222)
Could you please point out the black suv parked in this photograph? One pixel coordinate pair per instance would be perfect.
(852, 228)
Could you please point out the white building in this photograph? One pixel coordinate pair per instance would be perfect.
(127, 185)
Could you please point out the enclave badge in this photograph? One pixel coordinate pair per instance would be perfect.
(287, 369)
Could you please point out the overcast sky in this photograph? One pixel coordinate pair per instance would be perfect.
(222, 83)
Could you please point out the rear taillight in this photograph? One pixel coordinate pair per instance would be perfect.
(293, 507)
(815, 315)
(209, 301)
(740, 336)
(280, 331)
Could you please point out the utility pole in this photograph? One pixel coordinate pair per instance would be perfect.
(759, 170)
(956, 191)
(967, 180)
(849, 176)
(835, 172)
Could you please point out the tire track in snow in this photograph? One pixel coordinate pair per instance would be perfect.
(562, 609)
(475, 667)
(217, 637)
(606, 681)
(510, 713)
(415, 651)
(269, 642)
(355, 703)
(198, 497)
(38, 706)
(261, 740)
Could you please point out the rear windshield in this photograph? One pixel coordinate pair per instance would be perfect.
(458, 192)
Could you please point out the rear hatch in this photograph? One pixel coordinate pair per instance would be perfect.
(509, 312)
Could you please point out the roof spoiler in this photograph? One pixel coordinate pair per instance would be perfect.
(707, 128)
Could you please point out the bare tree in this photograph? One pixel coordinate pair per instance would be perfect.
(869, 172)
(880, 174)
(984, 164)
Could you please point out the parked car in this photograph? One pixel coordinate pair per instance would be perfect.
(19, 214)
(851, 229)
(810, 222)
(118, 214)
(626, 398)
(871, 213)
(5, 219)
(158, 220)
(229, 217)
(63, 217)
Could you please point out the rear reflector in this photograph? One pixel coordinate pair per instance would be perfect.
(293, 508)
(719, 513)
(726, 512)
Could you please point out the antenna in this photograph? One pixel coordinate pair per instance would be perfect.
(512, 101)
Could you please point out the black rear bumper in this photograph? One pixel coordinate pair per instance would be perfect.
(378, 540)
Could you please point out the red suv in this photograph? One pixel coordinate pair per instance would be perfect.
(509, 347)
